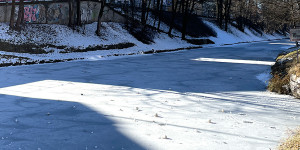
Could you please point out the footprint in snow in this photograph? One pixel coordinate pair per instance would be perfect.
(247, 122)
(165, 137)
(156, 115)
(209, 121)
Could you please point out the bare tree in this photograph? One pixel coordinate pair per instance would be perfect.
(227, 13)
(148, 9)
(277, 19)
(220, 13)
(160, 7)
(20, 15)
(71, 13)
(100, 16)
(12, 14)
(78, 22)
(132, 5)
(174, 11)
(189, 6)
(144, 7)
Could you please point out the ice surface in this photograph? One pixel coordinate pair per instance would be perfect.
(161, 101)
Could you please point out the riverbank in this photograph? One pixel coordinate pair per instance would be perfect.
(42, 43)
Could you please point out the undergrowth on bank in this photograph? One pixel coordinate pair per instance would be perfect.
(292, 142)
(286, 65)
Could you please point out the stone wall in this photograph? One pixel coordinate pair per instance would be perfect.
(57, 13)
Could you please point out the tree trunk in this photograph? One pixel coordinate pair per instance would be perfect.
(240, 17)
(159, 14)
(99, 17)
(5, 11)
(78, 13)
(220, 13)
(12, 14)
(148, 9)
(71, 14)
(174, 11)
(46, 9)
(185, 20)
(193, 6)
(157, 10)
(182, 6)
(144, 7)
(132, 2)
(227, 13)
(155, 15)
(20, 15)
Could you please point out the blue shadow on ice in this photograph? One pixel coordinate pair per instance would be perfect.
(28, 123)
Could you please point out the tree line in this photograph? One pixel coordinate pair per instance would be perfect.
(267, 15)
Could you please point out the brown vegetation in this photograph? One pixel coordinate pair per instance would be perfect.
(39, 49)
(292, 142)
(99, 47)
(279, 84)
(285, 66)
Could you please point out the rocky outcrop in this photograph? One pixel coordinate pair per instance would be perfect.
(286, 75)
(279, 82)
(295, 85)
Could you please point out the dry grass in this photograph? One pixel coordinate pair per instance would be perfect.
(282, 72)
(295, 69)
(279, 85)
(289, 55)
(292, 54)
(292, 142)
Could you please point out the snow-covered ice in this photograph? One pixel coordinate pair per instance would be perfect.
(161, 101)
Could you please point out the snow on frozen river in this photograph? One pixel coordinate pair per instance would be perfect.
(206, 98)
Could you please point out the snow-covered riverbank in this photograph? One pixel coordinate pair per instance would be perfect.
(58, 39)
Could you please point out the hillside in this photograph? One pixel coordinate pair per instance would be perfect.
(41, 43)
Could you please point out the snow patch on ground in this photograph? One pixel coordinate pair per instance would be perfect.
(264, 77)
(236, 36)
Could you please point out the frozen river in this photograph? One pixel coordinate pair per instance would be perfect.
(209, 98)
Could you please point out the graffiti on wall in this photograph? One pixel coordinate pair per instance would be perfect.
(89, 11)
(31, 13)
(57, 13)
(34, 14)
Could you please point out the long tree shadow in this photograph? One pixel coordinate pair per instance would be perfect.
(29, 123)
